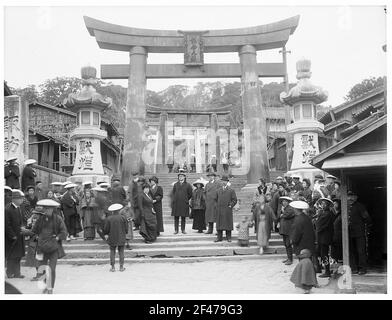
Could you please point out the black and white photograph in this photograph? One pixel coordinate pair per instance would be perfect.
(173, 150)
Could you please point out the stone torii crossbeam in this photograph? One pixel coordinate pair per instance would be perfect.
(246, 41)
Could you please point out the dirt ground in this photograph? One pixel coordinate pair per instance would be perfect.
(211, 277)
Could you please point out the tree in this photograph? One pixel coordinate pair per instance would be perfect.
(29, 93)
(54, 91)
(365, 86)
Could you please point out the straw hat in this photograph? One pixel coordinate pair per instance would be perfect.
(56, 183)
(115, 207)
(299, 205)
(66, 182)
(70, 185)
(104, 185)
(285, 198)
(326, 199)
(199, 181)
(11, 159)
(7, 188)
(331, 176)
(99, 189)
(16, 193)
(48, 203)
(29, 161)
(87, 183)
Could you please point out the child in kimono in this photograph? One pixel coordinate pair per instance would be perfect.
(304, 275)
(243, 231)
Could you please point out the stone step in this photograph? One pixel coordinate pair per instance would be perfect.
(197, 251)
(96, 261)
(101, 245)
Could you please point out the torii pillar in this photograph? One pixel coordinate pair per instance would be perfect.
(135, 114)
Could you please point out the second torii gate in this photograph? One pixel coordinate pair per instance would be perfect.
(245, 41)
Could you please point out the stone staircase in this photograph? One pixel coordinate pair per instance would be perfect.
(239, 183)
(190, 247)
(181, 248)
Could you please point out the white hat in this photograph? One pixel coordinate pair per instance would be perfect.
(70, 185)
(279, 178)
(115, 207)
(66, 182)
(199, 181)
(299, 205)
(326, 199)
(48, 203)
(16, 193)
(29, 161)
(86, 183)
(285, 198)
(12, 158)
(7, 188)
(57, 183)
(331, 176)
(99, 189)
(104, 184)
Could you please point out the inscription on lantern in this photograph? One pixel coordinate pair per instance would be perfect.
(308, 147)
(12, 134)
(86, 155)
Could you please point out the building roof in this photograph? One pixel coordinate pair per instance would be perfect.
(46, 136)
(326, 118)
(369, 127)
(7, 90)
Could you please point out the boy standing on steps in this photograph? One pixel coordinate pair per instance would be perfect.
(115, 230)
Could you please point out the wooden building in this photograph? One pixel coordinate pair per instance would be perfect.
(359, 160)
(50, 145)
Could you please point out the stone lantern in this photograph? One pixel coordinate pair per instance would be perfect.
(303, 99)
(88, 104)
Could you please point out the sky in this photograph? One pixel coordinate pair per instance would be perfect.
(343, 43)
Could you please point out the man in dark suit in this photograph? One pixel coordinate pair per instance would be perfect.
(227, 199)
(28, 174)
(117, 192)
(14, 239)
(69, 201)
(302, 233)
(12, 174)
(358, 221)
(286, 218)
(180, 196)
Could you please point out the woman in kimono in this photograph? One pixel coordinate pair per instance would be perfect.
(198, 205)
(87, 205)
(157, 195)
(263, 223)
(148, 225)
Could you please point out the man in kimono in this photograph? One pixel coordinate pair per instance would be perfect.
(227, 199)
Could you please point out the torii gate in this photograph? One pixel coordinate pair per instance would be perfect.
(245, 41)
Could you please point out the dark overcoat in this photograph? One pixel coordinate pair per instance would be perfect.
(118, 195)
(181, 194)
(358, 217)
(227, 199)
(14, 248)
(28, 177)
(286, 220)
(324, 226)
(157, 194)
(116, 226)
(302, 234)
(54, 225)
(211, 191)
(68, 204)
(11, 175)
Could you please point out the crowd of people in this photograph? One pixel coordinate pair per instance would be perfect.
(307, 216)
(309, 220)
